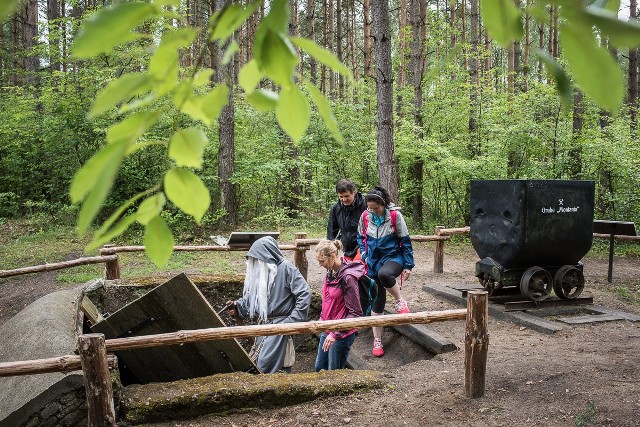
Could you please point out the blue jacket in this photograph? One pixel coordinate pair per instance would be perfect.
(383, 243)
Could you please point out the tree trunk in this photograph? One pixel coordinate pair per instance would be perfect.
(632, 81)
(387, 167)
(331, 35)
(473, 71)
(510, 67)
(555, 32)
(575, 152)
(368, 48)
(402, 57)
(311, 34)
(527, 42)
(226, 132)
(30, 40)
(417, 66)
(541, 47)
(53, 14)
(325, 43)
(339, 32)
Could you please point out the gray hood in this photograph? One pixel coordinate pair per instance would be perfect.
(266, 249)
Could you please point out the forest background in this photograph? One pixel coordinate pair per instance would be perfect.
(463, 108)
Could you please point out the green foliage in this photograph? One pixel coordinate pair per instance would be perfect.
(588, 417)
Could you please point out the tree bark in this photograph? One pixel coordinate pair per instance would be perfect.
(226, 132)
(575, 152)
(527, 42)
(402, 57)
(368, 48)
(53, 14)
(97, 380)
(387, 167)
(417, 67)
(339, 41)
(632, 81)
(311, 34)
(30, 40)
(331, 35)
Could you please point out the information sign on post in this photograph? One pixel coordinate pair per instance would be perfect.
(613, 228)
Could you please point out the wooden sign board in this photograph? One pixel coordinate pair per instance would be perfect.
(246, 238)
(175, 305)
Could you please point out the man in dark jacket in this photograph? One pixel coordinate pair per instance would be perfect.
(344, 218)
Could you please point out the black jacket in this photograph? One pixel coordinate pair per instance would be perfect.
(343, 222)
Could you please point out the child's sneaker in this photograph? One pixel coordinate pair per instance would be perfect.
(401, 306)
(377, 351)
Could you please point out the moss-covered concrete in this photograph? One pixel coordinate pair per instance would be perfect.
(238, 392)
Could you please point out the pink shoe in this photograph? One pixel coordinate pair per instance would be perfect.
(377, 351)
(401, 306)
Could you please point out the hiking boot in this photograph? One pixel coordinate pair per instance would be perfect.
(377, 351)
(401, 306)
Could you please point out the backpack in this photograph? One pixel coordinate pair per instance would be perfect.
(365, 221)
(368, 290)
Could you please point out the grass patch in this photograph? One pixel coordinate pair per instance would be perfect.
(81, 274)
(630, 292)
(588, 417)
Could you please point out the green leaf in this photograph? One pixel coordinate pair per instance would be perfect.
(249, 76)
(117, 214)
(110, 27)
(322, 55)
(621, 33)
(120, 227)
(164, 62)
(230, 51)
(324, 108)
(563, 84)
(119, 90)
(206, 108)
(132, 128)
(158, 241)
(503, 20)
(231, 17)
(293, 112)
(202, 77)
(595, 71)
(263, 99)
(94, 180)
(187, 147)
(150, 208)
(137, 103)
(187, 192)
(141, 145)
(278, 58)
(7, 7)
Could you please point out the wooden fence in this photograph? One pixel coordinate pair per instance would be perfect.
(95, 358)
(301, 244)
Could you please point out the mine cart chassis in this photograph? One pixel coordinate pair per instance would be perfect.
(535, 283)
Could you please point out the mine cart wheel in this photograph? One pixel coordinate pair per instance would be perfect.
(568, 282)
(536, 283)
(487, 283)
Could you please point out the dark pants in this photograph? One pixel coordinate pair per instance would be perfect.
(336, 357)
(386, 279)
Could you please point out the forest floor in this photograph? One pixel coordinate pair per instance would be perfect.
(585, 375)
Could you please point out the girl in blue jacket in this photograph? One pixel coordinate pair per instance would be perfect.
(386, 249)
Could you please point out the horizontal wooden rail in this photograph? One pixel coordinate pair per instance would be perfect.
(450, 231)
(43, 366)
(617, 237)
(190, 336)
(420, 238)
(203, 248)
(58, 265)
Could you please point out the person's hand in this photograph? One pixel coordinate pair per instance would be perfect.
(328, 342)
(406, 274)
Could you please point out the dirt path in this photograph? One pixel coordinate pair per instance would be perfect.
(582, 376)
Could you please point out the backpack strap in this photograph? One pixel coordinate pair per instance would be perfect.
(394, 218)
(365, 223)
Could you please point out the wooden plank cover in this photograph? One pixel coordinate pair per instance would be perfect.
(175, 305)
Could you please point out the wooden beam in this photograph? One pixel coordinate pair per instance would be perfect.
(476, 342)
(301, 260)
(438, 255)
(203, 248)
(449, 231)
(97, 380)
(44, 366)
(57, 265)
(617, 237)
(313, 327)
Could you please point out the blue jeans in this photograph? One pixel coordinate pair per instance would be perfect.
(336, 357)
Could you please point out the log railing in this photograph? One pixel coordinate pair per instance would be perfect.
(94, 358)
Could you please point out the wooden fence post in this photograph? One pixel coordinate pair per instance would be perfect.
(438, 256)
(301, 260)
(97, 381)
(112, 268)
(476, 343)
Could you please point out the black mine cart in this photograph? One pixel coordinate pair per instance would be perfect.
(532, 234)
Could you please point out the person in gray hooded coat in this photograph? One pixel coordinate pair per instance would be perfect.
(274, 292)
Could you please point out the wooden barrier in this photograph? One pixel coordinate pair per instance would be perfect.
(476, 343)
(58, 265)
(95, 361)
